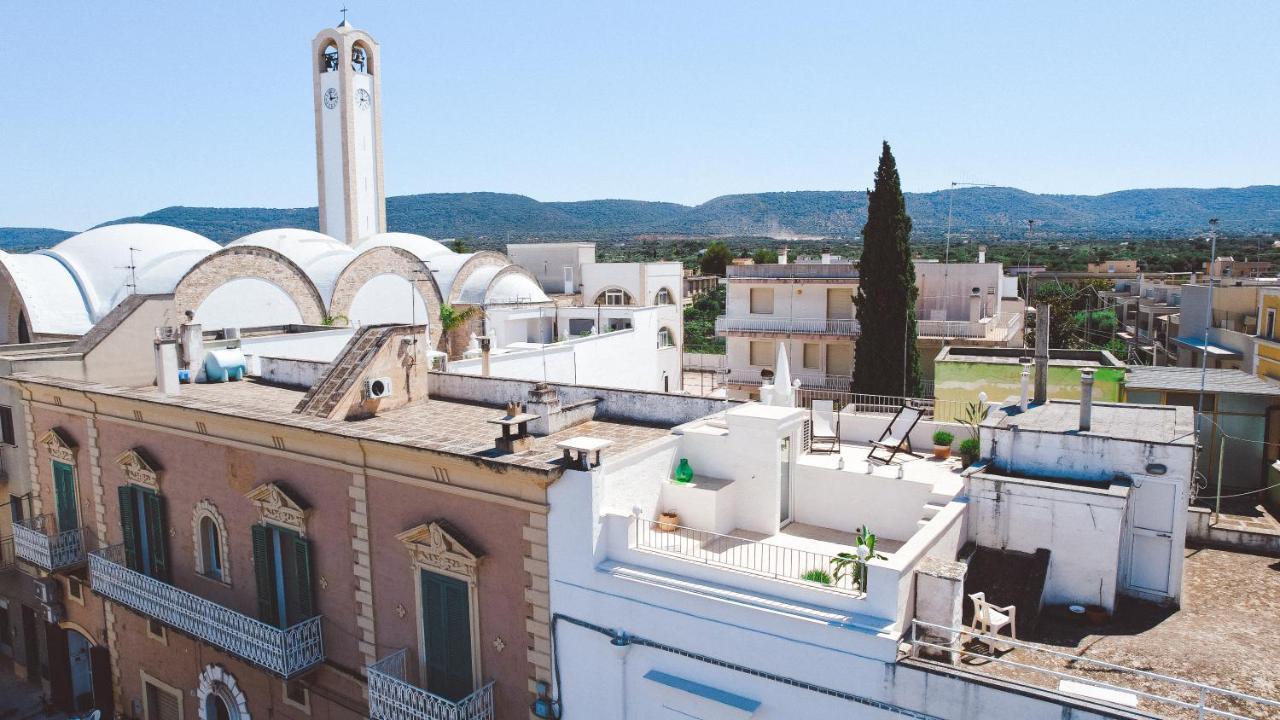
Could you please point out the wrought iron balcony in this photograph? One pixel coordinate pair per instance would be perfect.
(392, 697)
(33, 542)
(786, 326)
(285, 652)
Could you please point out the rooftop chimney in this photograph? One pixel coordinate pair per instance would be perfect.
(975, 305)
(167, 366)
(1025, 396)
(782, 255)
(1086, 398)
(982, 253)
(826, 256)
(1042, 354)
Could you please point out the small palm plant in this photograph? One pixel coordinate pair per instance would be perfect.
(854, 565)
(450, 320)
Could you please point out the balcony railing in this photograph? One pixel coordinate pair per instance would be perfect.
(802, 271)
(285, 652)
(392, 697)
(998, 328)
(790, 326)
(7, 558)
(33, 543)
(807, 380)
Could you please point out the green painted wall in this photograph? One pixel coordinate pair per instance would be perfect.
(961, 382)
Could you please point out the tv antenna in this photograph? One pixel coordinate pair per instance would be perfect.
(132, 267)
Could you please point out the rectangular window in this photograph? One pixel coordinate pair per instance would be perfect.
(1271, 324)
(6, 425)
(761, 301)
(162, 704)
(64, 490)
(282, 568)
(812, 356)
(839, 304)
(762, 353)
(144, 524)
(446, 636)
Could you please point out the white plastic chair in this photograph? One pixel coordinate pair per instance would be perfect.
(988, 619)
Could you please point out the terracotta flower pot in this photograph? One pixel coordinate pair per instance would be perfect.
(941, 452)
(668, 521)
(1096, 615)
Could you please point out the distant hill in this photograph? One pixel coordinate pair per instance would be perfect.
(994, 212)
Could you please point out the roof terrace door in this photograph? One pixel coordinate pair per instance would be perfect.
(1151, 563)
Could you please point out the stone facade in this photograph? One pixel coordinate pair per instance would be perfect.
(252, 262)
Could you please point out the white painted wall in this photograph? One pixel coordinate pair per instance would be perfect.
(387, 298)
(331, 154)
(547, 262)
(364, 140)
(247, 302)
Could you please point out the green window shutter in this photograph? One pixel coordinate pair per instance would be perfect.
(128, 526)
(302, 581)
(157, 534)
(264, 575)
(64, 485)
(446, 625)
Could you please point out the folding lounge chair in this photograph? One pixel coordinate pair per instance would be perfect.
(897, 435)
(824, 424)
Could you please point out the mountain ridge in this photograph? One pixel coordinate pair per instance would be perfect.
(998, 212)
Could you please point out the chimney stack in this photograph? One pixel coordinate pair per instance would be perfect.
(975, 305)
(167, 366)
(982, 253)
(1086, 399)
(782, 255)
(826, 256)
(485, 344)
(1042, 354)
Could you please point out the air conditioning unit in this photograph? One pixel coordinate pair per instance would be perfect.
(375, 388)
(47, 589)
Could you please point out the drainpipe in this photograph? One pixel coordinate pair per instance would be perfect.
(1086, 398)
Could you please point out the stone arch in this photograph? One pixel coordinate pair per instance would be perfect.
(245, 262)
(16, 309)
(482, 259)
(388, 260)
(329, 61)
(509, 271)
(627, 297)
(356, 48)
(216, 681)
(670, 298)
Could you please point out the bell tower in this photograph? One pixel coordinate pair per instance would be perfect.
(348, 100)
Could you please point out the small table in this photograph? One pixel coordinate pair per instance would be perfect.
(582, 446)
(515, 432)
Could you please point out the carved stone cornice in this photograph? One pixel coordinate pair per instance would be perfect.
(431, 546)
(138, 469)
(58, 446)
(276, 506)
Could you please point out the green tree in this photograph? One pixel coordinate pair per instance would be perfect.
(716, 257)
(764, 256)
(459, 245)
(451, 320)
(887, 361)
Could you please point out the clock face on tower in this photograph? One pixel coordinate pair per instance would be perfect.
(331, 98)
(362, 99)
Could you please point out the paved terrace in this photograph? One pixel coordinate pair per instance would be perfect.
(447, 426)
(1224, 635)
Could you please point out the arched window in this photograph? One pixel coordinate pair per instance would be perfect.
(216, 708)
(666, 338)
(211, 543)
(329, 59)
(359, 59)
(663, 297)
(614, 296)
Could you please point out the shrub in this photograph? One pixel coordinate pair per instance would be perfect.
(970, 448)
(822, 577)
(942, 437)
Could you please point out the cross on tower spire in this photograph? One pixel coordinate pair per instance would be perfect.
(344, 17)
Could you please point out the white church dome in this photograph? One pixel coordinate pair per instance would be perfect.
(423, 247)
(321, 257)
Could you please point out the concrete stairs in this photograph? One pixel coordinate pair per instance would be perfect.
(936, 502)
(320, 400)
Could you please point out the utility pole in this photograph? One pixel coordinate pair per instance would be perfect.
(1204, 352)
(1042, 353)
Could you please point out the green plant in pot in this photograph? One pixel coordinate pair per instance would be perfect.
(854, 565)
(970, 449)
(942, 444)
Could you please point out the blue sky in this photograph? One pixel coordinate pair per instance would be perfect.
(121, 108)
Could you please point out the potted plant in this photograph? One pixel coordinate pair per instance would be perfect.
(970, 449)
(942, 444)
(854, 565)
(668, 521)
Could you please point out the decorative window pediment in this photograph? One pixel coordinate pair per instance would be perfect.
(58, 446)
(276, 505)
(434, 547)
(138, 469)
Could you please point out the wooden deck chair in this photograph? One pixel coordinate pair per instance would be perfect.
(824, 424)
(897, 434)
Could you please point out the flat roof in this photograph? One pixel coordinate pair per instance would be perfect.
(1164, 424)
(1187, 379)
(1199, 344)
(446, 426)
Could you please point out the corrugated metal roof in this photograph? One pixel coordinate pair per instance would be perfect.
(1185, 379)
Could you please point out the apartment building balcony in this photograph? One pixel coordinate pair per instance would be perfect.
(284, 652)
(393, 697)
(785, 327)
(1000, 327)
(794, 272)
(808, 380)
(36, 541)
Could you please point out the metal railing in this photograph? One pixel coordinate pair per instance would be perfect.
(803, 271)
(1193, 696)
(741, 554)
(934, 409)
(807, 380)
(33, 542)
(392, 697)
(285, 652)
(998, 327)
(794, 326)
(7, 558)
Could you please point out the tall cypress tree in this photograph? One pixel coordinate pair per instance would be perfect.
(886, 361)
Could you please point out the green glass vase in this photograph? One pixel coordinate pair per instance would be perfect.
(684, 473)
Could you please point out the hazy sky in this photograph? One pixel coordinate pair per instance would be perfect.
(119, 108)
